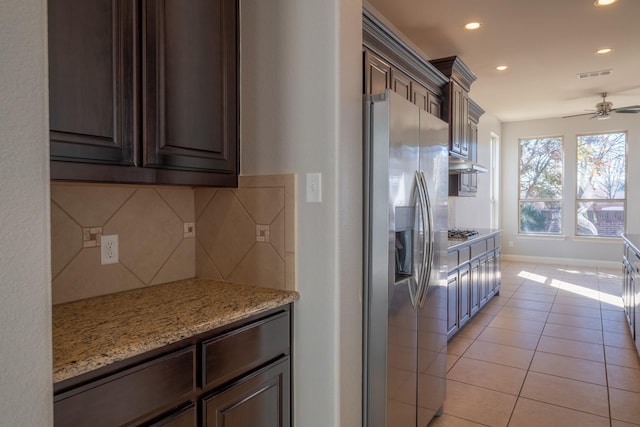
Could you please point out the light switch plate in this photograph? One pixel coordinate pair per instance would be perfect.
(314, 187)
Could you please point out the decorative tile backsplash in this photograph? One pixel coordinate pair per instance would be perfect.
(241, 235)
(246, 235)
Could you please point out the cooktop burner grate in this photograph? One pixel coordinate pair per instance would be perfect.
(460, 234)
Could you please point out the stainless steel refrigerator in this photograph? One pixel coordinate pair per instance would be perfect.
(405, 342)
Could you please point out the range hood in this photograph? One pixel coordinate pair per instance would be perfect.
(464, 166)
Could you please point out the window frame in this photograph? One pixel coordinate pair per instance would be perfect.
(577, 201)
(561, 200)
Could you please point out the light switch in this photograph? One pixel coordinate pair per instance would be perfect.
(314, 187)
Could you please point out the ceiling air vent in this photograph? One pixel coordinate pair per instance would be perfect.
(590, 74)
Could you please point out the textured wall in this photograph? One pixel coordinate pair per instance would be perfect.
(25, 306)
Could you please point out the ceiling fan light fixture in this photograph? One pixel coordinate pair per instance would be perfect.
(473, 25)
(604, 2)
(502, 68)
(604, 51)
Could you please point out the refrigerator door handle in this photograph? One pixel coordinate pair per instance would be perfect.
(429, 242)
(424, 214)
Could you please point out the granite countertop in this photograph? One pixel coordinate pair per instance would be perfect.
(483, 233)
(96, 332)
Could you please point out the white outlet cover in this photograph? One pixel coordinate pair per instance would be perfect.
(109, 249)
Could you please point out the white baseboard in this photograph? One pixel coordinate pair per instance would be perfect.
(563, 261)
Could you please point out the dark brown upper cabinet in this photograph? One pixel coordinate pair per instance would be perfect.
(144, 92)
(456, 103)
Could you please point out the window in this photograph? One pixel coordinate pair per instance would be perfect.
(601, 190)
(540, 189)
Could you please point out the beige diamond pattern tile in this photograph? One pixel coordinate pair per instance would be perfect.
(226, 231)
(277, 231)
(205, 267)
(180, 265)
(145, 245)
(261, 267)
(66, 239)
(90, 205)
(84, 278)
(202, 197)
(181, 200)
(263, 204)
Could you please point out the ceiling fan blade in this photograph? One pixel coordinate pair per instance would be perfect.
(577, 115)
(629, 109)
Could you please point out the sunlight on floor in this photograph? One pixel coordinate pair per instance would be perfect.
(614, 300)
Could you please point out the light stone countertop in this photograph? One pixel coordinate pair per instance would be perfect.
(92, 333)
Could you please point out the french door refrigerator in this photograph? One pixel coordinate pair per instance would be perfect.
(406, 184)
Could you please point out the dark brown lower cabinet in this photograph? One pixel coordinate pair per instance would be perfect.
(259, 400)
(234, 376)
(474, 278)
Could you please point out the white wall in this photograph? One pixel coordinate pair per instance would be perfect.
(26, 393)
(475, 212)
(569, 247)
(301, 112)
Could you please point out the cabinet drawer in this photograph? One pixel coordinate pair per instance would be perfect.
(129, 395)
(452, 260)
(491, 243)
(463, 255)
(478, 249)
(231, 355)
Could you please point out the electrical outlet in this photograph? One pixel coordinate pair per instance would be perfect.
(510, 243)
(109, 249)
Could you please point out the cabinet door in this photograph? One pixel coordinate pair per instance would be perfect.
(187, 417)
(455, 111)
(190, 95)
(475, 284)
(377, 74)
(259, 400)
(458, 120)
(92, 80)
(464, 114)
(435, 105)
(401, 84)
(464, 302)
(452, 303)
(420, 96)
(483, 282)
(490, 274)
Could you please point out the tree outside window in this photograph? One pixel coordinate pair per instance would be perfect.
(601, 184)
(540, 185)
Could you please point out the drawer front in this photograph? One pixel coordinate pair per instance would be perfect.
(491, 243)
(187, 417)
(478, 249)
(131, 394)
(231, 355)
(452, 260)
(463, 255)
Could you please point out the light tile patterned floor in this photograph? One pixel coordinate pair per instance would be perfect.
(553, 349)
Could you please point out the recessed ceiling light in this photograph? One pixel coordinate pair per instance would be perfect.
(604, 2)
(604, 51)
(501, 68)
(473, 25)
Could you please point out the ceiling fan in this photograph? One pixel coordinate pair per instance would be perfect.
(605, 108)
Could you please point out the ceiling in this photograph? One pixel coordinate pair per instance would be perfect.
(545, 43)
